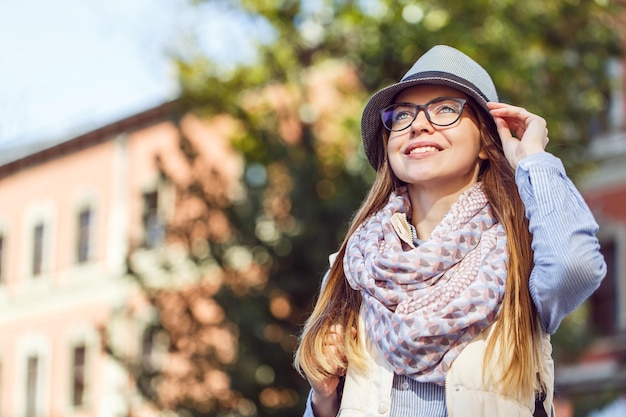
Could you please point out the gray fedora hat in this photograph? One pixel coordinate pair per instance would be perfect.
(441, 65)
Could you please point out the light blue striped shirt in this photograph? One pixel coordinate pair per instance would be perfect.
(568, 267)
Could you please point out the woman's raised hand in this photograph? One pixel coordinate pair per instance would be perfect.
(522, 132)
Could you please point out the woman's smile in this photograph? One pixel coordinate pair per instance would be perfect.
(422, 148)
(441, 158)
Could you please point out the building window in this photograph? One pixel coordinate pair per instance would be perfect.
(38, 249)
(154, 227)
(32, 382)
(84, 235)
(78, 375)
(603, 313)
(615, 111)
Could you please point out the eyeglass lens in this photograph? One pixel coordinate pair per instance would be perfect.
(441, 112)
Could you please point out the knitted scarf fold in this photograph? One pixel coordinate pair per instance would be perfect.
(423, 305)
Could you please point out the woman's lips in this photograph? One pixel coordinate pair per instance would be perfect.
(423, 149)
(419, 148)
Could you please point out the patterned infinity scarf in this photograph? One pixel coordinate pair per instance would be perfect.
(423, 305)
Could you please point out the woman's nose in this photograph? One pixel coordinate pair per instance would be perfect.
(421, 122)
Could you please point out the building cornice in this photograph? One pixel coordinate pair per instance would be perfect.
(128, 124)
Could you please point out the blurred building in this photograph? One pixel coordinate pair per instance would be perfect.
(600, 374)
(69, 213)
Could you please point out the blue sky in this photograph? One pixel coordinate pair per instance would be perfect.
(68, 66)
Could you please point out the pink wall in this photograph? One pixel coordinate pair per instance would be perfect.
(69, 302)
(63, 183)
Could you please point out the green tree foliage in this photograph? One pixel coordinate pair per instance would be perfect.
(297, 107)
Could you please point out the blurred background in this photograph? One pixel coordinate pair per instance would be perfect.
(174, 175)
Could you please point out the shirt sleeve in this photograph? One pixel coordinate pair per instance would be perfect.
(568, 265)
(308, 411)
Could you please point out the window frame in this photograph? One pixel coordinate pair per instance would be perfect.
(39, 213)
(84, 242)
(78, 382)
(33, 345)
(38, 249)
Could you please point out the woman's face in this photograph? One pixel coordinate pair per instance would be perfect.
(442, 158)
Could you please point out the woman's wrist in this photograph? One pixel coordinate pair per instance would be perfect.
(325, 405)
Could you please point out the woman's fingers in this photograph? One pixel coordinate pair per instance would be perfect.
(326, 388)
(333, 347)
(334, 344)
(522, 133)
(520, 120)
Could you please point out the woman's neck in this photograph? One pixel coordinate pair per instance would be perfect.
(429, 206)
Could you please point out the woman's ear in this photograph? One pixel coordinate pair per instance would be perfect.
(483, 153)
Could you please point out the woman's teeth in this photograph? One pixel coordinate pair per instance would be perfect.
(424, 149)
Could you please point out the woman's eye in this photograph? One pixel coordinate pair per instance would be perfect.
(402, 115)
(446, 108)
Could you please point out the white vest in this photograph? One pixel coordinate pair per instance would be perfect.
(367, 393)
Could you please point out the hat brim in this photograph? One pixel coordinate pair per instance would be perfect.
(371, 123)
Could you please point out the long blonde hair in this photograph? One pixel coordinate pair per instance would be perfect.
(516, 329)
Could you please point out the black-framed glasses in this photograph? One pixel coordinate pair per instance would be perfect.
(442, 111)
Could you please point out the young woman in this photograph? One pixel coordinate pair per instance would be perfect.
(470, 248)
